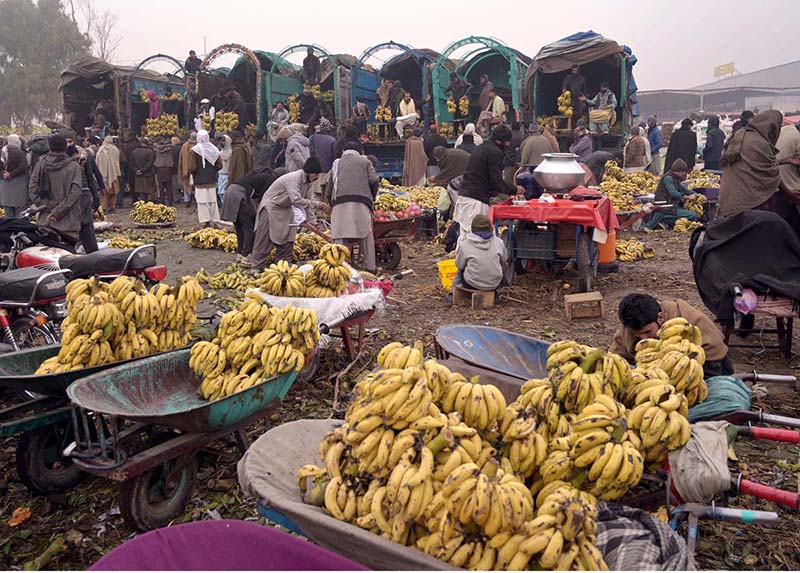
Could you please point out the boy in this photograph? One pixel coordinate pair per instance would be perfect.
(481, 257)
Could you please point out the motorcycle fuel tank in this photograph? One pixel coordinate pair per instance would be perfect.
(40, 255)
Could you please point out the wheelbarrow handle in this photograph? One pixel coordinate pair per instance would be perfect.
(772, 378)
(772, 434)
(747, 416)
(768, 493)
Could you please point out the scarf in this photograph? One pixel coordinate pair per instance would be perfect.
(13, 140)
(205, 149)
(485, 235)
(107, 160)
(226, 150)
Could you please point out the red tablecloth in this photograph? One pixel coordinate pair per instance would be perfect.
(598, 214)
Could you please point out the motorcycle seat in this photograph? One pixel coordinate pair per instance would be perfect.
(107, 261)
(18, 285)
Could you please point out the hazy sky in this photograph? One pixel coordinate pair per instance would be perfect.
(678, 42)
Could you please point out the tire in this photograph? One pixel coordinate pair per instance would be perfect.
(389, 257)
(144, 502)
(28, 336)
(310, 369)
(39, 462)
(587, 267)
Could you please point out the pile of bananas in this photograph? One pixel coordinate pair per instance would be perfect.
(329, 274)
(254, 342)
(232, 278)
(633, 250)
(699, 178)
(684, 225)
(565, 103)
(401, 467)
(383, 114)
(612, 171)
(463, 105)
(677, 356)
(99, 214)
(209, 238)
(148, 212)
(250, 131)
(283, 279)
(391, 202)
(426, 197)
(544, 121)
(622, 188)
(122, 242)
(659, 416)
(306, 246)
(451, 105)
(121, 320)
(226, 121)
(294, 109)
(165, 125)
(696, 205)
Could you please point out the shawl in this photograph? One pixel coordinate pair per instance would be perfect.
(205, 149)
(107, 160)
(415, 162)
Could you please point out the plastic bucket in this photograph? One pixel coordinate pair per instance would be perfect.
(607, 253)
(447, 273)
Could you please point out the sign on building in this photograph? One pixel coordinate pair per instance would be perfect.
(724, 70)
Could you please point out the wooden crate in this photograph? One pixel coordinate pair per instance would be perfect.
(566, 240)
(584, 305)
(480, 300)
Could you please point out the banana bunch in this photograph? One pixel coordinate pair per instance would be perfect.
(660, 418)
(622, 188)
(696, 205)
(684, 225)
(633, 250)
(564, 102)
(523, 446)
(463, 105)
(383, 114)
(700, 178)
(539, 396)
(612, 171)
(165, 125)
(294, 109)
(122, 242)
(451, 105)
(99, 215)
(329, 275)
(209, 238)
(426, 197)
(562, 537)
(391, 202)
(481, 406)
(226, 121)
(283, 279)
(232, 277)
(253, 343)
(148, 212)
(601, 452)
(544, 121)
(307, 246)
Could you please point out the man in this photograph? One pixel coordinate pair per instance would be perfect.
(239, 208)
(311, 68)
(582, 142)
(575, 84)
(534, 147)
(241, 159)
(604, 112)
(414, 161)
(56, 183)
(674, 191)
(184, 173)
(129, 143)
(433, 139)
(205, 109)
(176, 158)
(163, 166)
(715, 140)
(90, 195)
(682, 145)
(485, 98)
(352, 177)
(205, 161)
(171, 104)
(456, 89)
(642, 315)
(493, 114)
(383, 92)
(278, 117)
(275, 217)
(309, 110)
(262, 151)
(107, 161)
(512, 153)
(483, 179)
(360, 116)
(143, 160)
(407, 115)
(481, 257)
(656, 140)
(192, 64)
(236, 104)
(594, 165)
(635, 152)
(323, 146)
(744, 119)
(297, 151)
(452, 163)
(14, 171)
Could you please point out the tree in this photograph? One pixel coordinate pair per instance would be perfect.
(37, 42)
(99, 27)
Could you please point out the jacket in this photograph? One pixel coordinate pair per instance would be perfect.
(351, 196)
(203, 172)
(682, 145)
(37, 148)
(715, 139)
(582, 147)
(656, 139)
(297, 151)
(431, 142)
(17, 163)
(481, 260)
(636, 152)
(287, 191)
(56, 183)
(625, 340)
(164, 156)
(671, 190)
(451, 165)
(323, 147)
(483, 178)
(143, 159)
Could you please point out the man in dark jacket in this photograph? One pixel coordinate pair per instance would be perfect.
(512, 153)
(575, 84)
(433, 140)
(743, 120)
(192, 63)
(682, 145)
(143, 161)
(129, 143)
(311, 68)
(90, 192)
(483, 180)
(715, 139)
(56, 184)
(37, 148)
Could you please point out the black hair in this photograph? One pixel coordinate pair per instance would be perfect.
(604, 84)
(747, 114)
(351, 146)
(279, 102)
(260, 135)
(637, 310)
(515, 125)
(618, 154)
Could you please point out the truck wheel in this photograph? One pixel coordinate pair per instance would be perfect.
(389, 257)
(159, 495)
(40, 465)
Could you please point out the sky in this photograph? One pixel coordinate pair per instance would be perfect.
(677, 42)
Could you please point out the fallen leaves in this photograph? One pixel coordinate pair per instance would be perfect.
(20, 515)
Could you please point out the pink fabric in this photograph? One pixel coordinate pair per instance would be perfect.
(597, 214)
(153, 104)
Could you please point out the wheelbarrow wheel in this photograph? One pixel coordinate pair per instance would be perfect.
(587, 266)
(389, 256)
(156, 497)
(310, 369)
(40, 465)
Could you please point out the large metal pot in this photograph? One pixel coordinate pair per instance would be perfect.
(559, 172)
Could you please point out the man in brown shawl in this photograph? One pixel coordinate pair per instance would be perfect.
(241, 161)
(185, 161)
(415, 162)
(452, 164)
(751, 176)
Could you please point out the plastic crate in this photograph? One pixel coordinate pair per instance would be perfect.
(535, 242)
(428, 223)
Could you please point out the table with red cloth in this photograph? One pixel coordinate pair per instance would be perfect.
(598, 214)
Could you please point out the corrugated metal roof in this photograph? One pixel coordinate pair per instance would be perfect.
(781, 76)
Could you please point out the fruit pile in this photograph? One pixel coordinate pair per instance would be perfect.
(390, 207)
(565, 103)
(383, 114)
(451, 105)
(684, 225)
(463, 105)
(633, 250)
(226, 121)
(698, 178)
(294, 109)
(283, 279)
(426, 458)
(99, 214)
(109, 322)
(426, 197)
(209, 238)
(165, 125)
(254, 342)
(121, 242)
(544, 121)
(147, 212)
(623, 188)
(329, 274)
(306, 246)
(231, 278)
(696, 205)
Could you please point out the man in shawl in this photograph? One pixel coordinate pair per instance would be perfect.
(90, 199)
(107, 160)
(682, 145)
(278, 117)
(55, 184)
(311, 68)
(298, 150)
(163, 166)
(241, 161)
(456, 89)
(143, 161)
(452, 163)
(352, 177)
(493, 114)
(635, 152)
(309, 108)
(575, 84)
(383, 92)
(534, 147)
(674, 191)
(14, 182)
(751, 176)
(204, 163)
(415, 162)
(407, 115)
(485, 97)
(262, 151)
(468, 140)
(184, 174)
(278, 154)
(239, 207)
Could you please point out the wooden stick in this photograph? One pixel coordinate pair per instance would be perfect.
(395, 300)
(335, 404)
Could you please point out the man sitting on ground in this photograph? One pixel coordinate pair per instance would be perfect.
(674, 191)
(642, 315)
(481, 257)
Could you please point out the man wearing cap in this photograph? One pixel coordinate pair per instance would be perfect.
(674, 191)
(205, 109)
(56, 183)
(322, 145)
(481, 257)
(656, 140)
(483, 180)
(288, 202)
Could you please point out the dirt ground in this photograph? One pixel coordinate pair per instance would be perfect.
(88, 517)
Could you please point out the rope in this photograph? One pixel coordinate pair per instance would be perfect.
(725, 394)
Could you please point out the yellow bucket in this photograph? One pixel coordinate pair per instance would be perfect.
(447, 273)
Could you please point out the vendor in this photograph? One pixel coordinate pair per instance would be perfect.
(481, 257)
(575, 84)
(493, 114)
(407, 115)
(278, 118)
(457, 89)
(360, 116)
(594, 165)
(605, 101)
(452, 163)
(311, 67)
(672, 189)
(582, 142)
(642, 315)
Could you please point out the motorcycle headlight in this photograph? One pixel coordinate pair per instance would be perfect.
(59, 310)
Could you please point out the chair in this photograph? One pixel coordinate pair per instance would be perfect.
(784, 312)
